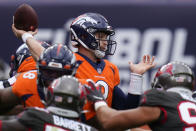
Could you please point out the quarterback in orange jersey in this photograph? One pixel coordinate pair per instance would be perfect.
(92, 35)
(55, 61)
(108, 78)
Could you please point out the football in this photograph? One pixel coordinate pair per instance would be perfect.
(25, 18)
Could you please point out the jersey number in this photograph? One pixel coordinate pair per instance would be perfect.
(105, 86)
(186, 110)
(29, 75)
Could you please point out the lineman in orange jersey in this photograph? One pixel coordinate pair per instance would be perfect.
(55, 61)
(91, 34)
(21, 61)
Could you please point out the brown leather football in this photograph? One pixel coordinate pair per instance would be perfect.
(25, 18)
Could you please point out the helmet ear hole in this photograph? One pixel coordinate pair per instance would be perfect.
(156, 84)
(83, 37)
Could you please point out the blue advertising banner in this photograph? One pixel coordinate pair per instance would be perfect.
(166, 31)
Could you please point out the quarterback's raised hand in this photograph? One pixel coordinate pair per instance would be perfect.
(137, 70)
(18, 33)
(145, 64)
(93, 92)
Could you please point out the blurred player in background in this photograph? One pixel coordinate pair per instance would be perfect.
(21, 61)
(64, 104)
(55, 61)
(91, 34)
(168, 106)
(4, 70)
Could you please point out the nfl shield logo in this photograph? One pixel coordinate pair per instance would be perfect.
(99, 70)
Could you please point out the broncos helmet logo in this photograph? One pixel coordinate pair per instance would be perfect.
(82, 19)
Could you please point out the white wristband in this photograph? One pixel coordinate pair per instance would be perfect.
(135, 84)
(25, 36)
(99, 104)
(1, 85)
(12, 80)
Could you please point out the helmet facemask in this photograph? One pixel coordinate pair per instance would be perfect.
(110, 45)
(47, 75)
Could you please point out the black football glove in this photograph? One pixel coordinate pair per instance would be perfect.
(93, 94)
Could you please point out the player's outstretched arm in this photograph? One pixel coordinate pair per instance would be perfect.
(126, 119)
(137, 70)
(34, 46)
(112, 119)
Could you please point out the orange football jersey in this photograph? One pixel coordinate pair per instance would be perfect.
(26, 89)
(28, 64)
(108, 77)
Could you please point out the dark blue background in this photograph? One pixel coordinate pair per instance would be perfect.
(141, 16)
